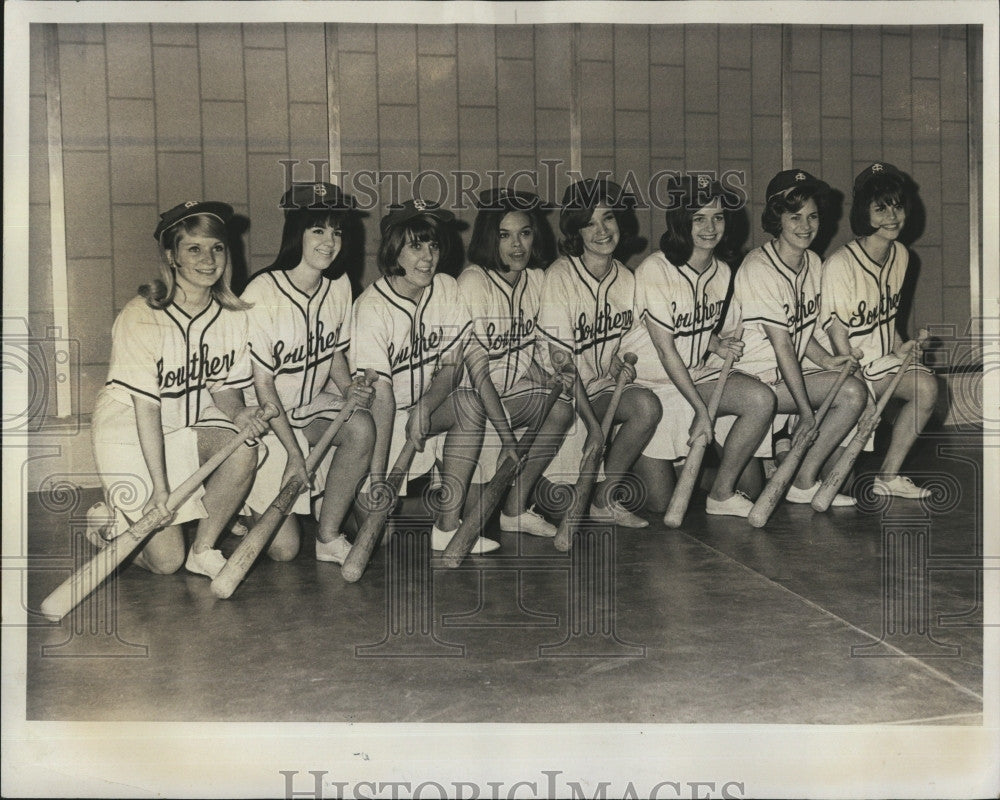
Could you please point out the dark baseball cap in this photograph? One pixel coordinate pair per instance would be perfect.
(789, 179)
(192, 208)
(875, 170)
(400, 213)
(315, 195)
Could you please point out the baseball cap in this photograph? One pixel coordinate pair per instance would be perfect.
(400, 213)
(192, 208)
(789, 179)
(503, 199)
(875, 170)
(315, 195)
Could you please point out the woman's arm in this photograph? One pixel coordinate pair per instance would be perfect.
(383, 411)
(677, 370)
(791, 371)
(295, 466)
(150, 428)
(479, 370)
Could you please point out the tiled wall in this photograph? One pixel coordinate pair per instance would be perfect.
(153, 115)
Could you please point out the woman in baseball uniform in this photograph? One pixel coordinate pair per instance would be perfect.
(502, 288)
(862, 285)
(299, 331)
(776, 295)
(586, 309)
(680, 294)
(174, 394)
(408, 325)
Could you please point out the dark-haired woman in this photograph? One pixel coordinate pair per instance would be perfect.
(862, 283)
(299, 330)
(174, 395)
(776, 295)
(586, 309)
(408, 325)
(502, 289)
(680, 296)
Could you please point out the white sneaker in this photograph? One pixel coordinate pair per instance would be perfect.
(739, 505)
(529, 521)
(336, 550)
(100, 525)
(900, 486)
(440, 540)
(618, 514)
(797, 495)
(207, 562)
(239, 528)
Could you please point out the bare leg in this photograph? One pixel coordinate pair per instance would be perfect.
(658, 479)
(226, 488)
(163, 554)
(919, 390)
(354, 443)
(463, 418)
(638, 413)
(523, 412)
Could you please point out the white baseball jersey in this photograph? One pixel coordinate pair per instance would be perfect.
(585, 316)
(403, 340)
(680, 301)
(294, 336)
(767, 292)
(176, 360)
(504, 319)
(864, 296)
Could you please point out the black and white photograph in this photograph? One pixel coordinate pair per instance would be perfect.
(501, 399)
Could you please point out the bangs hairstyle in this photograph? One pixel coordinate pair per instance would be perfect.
(422, 228)
(770, 219)
(297, 222)
(677, 241)
(160, 293)
(484, 246)
(572, 220)
(888, 189)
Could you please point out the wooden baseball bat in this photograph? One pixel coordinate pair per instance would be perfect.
(845, 463)
(239, 563)
(692, 465)
(776, 488)
(589, 466)
(90, 575)
(460, 544)
(374, 525)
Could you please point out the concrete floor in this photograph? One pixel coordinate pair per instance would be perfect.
(850, 617)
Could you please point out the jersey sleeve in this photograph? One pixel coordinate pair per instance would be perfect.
(240, 375)
(136, 351)
(760, 296)
(260, 323)
(371, 333)
(456, 323)
(653, 300)
(838, 297)
(342, 289)
(473, 290)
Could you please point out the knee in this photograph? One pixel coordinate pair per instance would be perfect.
(166, 563)
(853, 395)
(761, 400)
(927, 389)
(561, 416)
(244, 460)
(360, 430)
(283, 551)
(646, 406)
(469, 411)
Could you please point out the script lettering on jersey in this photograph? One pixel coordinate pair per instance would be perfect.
(520, 328)
(705, 311)
(607, 321)
(199, 368)
(866, 317)
(806, 308)
(318, 342)
(421, 343)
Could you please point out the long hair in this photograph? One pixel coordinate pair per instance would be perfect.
(888, 189)
(421, 228)
(160, 293)
(687, 198)
(297, 222)
(484, 246)
(770, 218)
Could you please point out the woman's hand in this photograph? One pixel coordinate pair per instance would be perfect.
(362, 393)
(805, 431)
(296, 468)
(701, 428)
(730, 345)
(418, 425)
(594, 442)
(836, 363)
(253, 416)
(158, 505)
(618, 365)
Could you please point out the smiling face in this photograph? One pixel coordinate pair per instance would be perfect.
(418, 260)
(600, 235)
(799, 228)
(887, 218)
(320, 246)
(199, 262)
(515, 237)
(708, 224)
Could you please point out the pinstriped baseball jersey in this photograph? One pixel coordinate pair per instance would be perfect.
(767, 292)
(585, 316)
(864, 296)
(680, 301)
(402, 339)
(504, 319)
(294, 335)
(177, 360)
